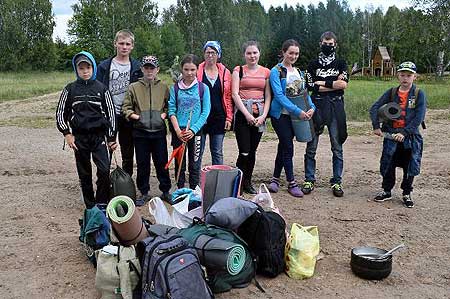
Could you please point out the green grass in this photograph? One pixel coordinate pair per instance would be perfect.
(16, 86)
(361, 94)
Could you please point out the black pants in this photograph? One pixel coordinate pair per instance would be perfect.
(194, 156)
(97, 147)
(247, 138)
(126, 142)
(147, 149)
(401, 159)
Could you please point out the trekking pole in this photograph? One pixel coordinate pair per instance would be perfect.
(177, 177)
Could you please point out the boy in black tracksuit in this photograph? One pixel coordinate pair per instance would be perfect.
(85, 115)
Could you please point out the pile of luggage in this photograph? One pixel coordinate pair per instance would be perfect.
(212, 247)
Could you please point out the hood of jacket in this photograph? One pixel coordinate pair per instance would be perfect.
(91, 58)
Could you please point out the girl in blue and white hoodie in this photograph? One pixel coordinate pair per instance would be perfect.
(189, 107)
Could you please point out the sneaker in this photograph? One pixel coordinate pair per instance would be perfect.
(407, 201)
(166, 196)
(142, 200)
(383, 196)
(307, 187)
(274, 185)
(250, 189)
(337, 190)
(295, 191)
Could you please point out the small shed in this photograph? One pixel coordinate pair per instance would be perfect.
(382, 65)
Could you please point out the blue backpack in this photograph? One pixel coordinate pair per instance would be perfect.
(94, 231)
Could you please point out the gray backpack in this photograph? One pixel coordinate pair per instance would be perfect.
(171, 269)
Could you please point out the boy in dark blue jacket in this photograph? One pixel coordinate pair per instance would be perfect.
(85, 116)
(403, 144)
(117, 73)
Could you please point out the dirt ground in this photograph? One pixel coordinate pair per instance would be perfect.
(41, 257)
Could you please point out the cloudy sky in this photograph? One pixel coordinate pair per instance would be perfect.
(63, 11)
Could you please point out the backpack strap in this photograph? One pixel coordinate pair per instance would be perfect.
(201, 90)
(175, 91)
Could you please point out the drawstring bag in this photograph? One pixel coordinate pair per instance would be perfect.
(301, 251)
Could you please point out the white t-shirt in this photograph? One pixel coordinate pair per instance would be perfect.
(294, 84)
(119, 79)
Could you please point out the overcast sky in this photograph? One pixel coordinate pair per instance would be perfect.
(63, 11)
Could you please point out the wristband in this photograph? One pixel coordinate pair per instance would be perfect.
(329, 84)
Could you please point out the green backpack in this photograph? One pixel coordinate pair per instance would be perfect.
(226, 257)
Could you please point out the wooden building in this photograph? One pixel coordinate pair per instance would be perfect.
(381, 64)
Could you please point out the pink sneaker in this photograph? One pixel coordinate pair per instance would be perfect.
(274, 185)
(295, 191)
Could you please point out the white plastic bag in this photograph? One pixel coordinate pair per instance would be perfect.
(263, 198)
(159, 211)
(179, 216)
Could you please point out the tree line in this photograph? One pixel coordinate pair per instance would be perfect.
(420, 33)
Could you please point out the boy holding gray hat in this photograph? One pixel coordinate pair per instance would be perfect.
(404, 147)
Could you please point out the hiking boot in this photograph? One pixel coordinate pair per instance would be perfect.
(166, 197)
(307, 187)
(142, 200)
(274, 185)
(383, 196)
(407, 201)
(337, 190)
(294, 190)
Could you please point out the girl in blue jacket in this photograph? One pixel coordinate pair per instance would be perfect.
(189, 107)
(287, 81)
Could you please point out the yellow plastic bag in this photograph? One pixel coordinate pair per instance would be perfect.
(301, 251)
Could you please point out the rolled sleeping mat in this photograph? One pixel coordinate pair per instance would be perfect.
(218, 254)
(389, 111)
(303, 129)
(126, 220)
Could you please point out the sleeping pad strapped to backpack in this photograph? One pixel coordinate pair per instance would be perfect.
(220, 277)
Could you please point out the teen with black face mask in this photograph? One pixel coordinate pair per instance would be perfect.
(327, 77)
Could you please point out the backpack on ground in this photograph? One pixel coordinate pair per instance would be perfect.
(171, 269)
(94, 231)
(118, 272)
(122, 183)
(264, 232)
(226, 257)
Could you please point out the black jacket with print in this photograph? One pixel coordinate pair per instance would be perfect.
(86, 107)
(330, 72)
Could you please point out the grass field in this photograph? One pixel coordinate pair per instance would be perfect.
(16, 86)
(359, 96)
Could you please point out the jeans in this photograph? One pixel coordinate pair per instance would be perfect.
(95, 146)
(247, 138)
(336, 149)
(285, 151)
(147, 149)
(125, 132)
(215, 147)
(401, 159)
(194, 156)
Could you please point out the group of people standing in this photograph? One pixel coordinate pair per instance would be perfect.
(127, 97)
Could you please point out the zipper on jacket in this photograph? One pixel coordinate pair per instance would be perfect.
(150, 94)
